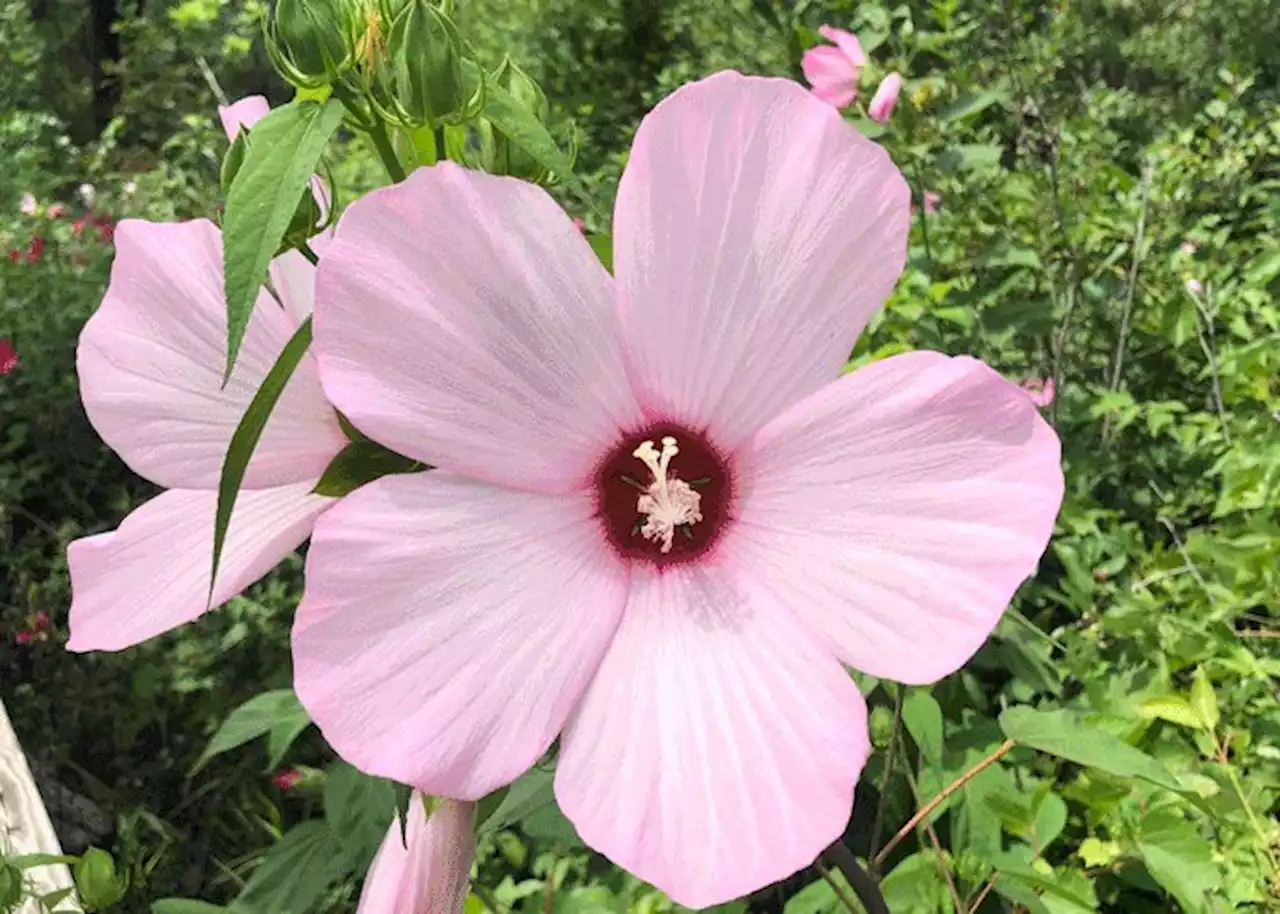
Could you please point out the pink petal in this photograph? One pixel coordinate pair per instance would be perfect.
(462, 320)
(150, 363)
(151, 574)
(431, 874)
(754, 235)
(886, 97)
(900, 508)
(847, 42)
(294, 277)
(449, 627)
(243, 113)
(717, 749)
(833, 77)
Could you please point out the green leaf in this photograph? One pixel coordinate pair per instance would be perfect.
(923, 718)
(185, 906)
(359, 808)
(1061, 733)
(259, 716)
(278, 166)
(915, 885)
(1179, 859)
(1203, 700)
(245, 438)
(818, 897)
(1173, 708)
(522, 127)
(362, 462)
(603, 246)
(1050, 820)
(528, 793)
(296, 872)
(284, 731)
(548, 823)
(969, 157)
(971, 104)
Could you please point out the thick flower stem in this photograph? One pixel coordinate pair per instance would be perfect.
(382, 143)
(840, 857)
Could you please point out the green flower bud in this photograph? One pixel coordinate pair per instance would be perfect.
(313, 41)
(96, 880)
(508, 158)
(426, 67)
(232, 161)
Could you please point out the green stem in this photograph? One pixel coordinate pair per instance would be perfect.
(382, 143)
(437, 136)
(307, 252)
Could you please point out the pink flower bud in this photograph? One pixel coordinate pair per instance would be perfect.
(56, 211)
(1194, 287)
(931, 201)
(886, 97)
(8, 356)
(287, 778)
(579, 225)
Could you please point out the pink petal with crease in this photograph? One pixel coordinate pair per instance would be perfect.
(427, 871)
(718, 747)
(899, 510)
(831, 74)
(847, 42)
(885, 99)
(450, 652)
(755, 234)
(151, 574)
(150, 362)
(462, 320)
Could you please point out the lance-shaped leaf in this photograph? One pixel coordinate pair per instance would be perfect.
(263, 197)
(522, 127)
(361, 462)
(247, 434)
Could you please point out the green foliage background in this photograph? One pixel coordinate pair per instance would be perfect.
(1091, 158)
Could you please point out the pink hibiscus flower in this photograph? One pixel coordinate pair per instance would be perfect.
(1041, 391)
(150, 363)
(662, 519)
(833, 72)
(427, 871)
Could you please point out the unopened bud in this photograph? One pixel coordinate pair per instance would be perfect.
(427, 83)
(313, 41)
(96, 880)
(508, 157)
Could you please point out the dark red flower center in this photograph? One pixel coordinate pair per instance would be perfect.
(664, 494)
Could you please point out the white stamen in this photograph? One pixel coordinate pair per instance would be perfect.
(669, 503)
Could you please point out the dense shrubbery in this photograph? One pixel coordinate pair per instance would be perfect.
(1108, 182)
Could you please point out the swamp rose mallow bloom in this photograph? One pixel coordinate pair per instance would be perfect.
(833, 72)
(27, 204)
(428, 869)
(150, 362)
(662, 520)
(886, 97)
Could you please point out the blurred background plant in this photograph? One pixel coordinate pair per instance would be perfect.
(1097, 213)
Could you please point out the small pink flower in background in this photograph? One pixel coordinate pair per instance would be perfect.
(24, 637)
(886, 97)
(129, 188)
(833, 72)
(1194, 287)
(579, 224)
(88, 193)
(932, 201)
(150, 362)
(56, 210)
(1187, 248)
(287, 778)
(657, 497)
(15, 255)
(41, 622)
(35, 249)
(1041, 391)
(8, 356)
(28, 205)
(428, 870)
(77, 227)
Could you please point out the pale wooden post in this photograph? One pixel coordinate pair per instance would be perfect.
(24, 822)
